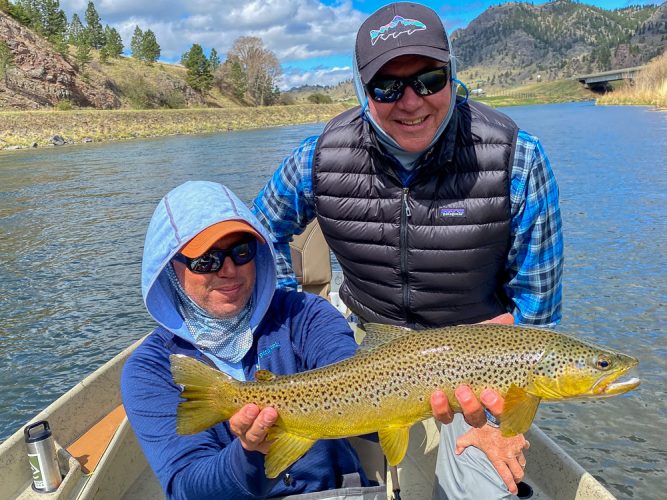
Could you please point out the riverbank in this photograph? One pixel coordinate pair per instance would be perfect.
(648, 89)
(27, 129)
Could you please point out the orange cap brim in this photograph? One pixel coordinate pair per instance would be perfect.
(207, 238)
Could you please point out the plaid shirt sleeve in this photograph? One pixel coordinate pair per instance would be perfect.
(286, 205)
(535, 261)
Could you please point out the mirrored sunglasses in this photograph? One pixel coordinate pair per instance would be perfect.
(391, 89)
(213, 260)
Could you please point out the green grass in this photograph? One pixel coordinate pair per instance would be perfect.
(24, 128)
(539, 93)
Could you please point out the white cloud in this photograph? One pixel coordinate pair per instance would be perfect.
(295, 30)
(320, 76)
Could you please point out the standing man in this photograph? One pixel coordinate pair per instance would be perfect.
(440, 211)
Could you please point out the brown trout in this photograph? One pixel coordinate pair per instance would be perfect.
(387, 387)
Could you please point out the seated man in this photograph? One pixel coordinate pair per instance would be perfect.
(209, 280)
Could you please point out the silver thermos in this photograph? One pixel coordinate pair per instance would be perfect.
(42, 456)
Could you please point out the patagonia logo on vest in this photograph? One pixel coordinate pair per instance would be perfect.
(452, 212)
(395, 28)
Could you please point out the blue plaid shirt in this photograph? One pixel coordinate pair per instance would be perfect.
(535, 260)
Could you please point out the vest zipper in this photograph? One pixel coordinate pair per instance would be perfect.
(403, 248)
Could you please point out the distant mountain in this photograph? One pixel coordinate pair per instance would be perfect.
(514, 42)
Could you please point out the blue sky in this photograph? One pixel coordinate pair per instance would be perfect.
(299, 32)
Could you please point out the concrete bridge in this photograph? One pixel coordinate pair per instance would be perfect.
(599, 81)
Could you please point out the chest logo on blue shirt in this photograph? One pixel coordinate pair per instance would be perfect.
(266, 352)
(452, 212)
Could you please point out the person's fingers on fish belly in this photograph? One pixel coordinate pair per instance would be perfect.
(492, 401)
(473, 411)
(440, 407)
(259, 430)
(243, 419)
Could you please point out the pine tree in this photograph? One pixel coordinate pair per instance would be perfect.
(214, 60)
(150, 49)
(199, 75)
(94, 30)
(75, 32)
(53, 20)
(238, 79)
(83, 55)
(114, 42)
(27, 13)
(104, 55)
(136, 44)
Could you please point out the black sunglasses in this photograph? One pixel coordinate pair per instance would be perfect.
(390, 89)
(213, 260)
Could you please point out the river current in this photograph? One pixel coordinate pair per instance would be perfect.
(73, 219)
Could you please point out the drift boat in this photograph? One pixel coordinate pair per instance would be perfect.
(100, 458)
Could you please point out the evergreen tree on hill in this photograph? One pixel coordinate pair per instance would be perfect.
(214, 60)
(53, 20)
(199, 75)
(150, 49)
(27, 13)
(136, 43)
(75, 31)
(114, 42)
(94, 30)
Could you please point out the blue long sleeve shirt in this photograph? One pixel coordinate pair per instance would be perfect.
(299, 332)
(535, 260)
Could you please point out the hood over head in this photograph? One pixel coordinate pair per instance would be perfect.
(195, 209)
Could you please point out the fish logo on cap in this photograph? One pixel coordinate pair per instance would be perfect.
(395, 28)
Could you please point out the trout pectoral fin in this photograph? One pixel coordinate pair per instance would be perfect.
(518, 411)
(394, 443)
(284, 451)
(264, 376)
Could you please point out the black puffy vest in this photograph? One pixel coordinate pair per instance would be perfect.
(429, 254)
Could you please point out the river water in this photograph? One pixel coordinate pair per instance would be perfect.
(72, 222)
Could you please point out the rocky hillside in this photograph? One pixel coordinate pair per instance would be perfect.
(40, 77)
(37, 76)
(515, 42)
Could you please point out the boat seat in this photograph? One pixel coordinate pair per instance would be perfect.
(90, 446)
(311, 260)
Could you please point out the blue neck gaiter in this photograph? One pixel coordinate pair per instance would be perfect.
(228, 339)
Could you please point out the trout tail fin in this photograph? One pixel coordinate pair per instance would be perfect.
(207, 392)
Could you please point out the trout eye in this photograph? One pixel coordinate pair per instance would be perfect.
(603, 364)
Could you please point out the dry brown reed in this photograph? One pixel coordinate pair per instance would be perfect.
(649, 87)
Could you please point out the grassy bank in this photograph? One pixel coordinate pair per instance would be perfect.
(649, 87)
(28, 128)
(539, 93)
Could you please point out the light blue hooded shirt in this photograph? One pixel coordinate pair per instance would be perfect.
(183, 213)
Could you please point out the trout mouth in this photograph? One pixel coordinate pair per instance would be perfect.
(612, 384)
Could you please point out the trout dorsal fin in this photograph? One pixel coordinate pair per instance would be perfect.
(264, 376)
(284, 451)
(518, 411)
(377, 334)
(394, 443)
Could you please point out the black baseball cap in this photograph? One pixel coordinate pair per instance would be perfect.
(398, 29)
